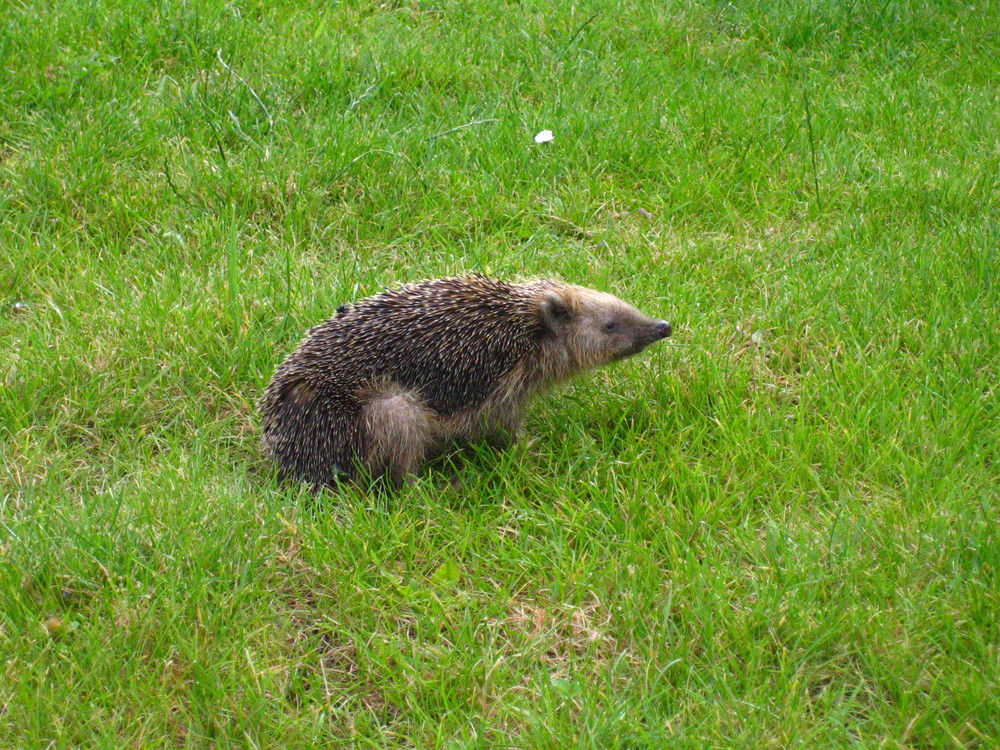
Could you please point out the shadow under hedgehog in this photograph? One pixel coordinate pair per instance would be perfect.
(392, 379)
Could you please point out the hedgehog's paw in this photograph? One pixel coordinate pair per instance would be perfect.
(500, 439)
(504, 427)
(399, 430)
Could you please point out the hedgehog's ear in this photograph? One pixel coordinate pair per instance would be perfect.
(555, 312)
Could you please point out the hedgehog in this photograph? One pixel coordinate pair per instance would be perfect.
(391, 380)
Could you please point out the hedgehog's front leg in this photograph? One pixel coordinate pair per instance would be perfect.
(503, 426)
(399, 430)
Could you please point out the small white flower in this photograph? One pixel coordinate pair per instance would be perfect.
(544, 136)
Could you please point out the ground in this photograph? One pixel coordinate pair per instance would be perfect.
(777, 529)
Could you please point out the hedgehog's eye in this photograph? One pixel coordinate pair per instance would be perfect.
(610, 325)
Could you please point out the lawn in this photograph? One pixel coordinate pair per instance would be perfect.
(779, 528)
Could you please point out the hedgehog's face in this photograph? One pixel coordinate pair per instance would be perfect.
(596, 328)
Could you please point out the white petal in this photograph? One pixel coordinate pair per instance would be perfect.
(544, 136)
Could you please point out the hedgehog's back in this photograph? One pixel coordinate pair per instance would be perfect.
(450, 340)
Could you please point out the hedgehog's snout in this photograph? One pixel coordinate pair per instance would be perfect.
(645, 334)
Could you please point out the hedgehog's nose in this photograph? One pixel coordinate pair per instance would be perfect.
(664, 329)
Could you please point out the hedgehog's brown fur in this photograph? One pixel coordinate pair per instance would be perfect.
(391, 378)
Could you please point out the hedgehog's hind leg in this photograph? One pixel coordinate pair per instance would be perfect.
(399, 432)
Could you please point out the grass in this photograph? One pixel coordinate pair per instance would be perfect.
(780, 530)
